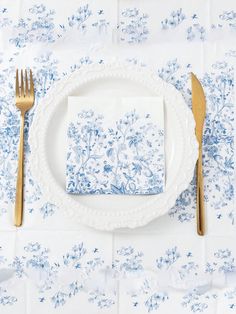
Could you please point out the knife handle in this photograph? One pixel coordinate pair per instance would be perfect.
(200, 197)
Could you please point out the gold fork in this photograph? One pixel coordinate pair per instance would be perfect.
(24, 101)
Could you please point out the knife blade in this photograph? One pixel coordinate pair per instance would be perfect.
(199, 113)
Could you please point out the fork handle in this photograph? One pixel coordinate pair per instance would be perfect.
(20, 176)
(200, 197)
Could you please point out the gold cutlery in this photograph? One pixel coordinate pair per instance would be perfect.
(199, 112)
(24, 102)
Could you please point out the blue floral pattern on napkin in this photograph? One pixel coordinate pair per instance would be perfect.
(127, 158)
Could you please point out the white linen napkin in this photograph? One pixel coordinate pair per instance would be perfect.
(115, 146)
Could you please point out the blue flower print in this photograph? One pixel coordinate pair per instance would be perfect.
(154, 301)
(100, 299)
(128, 260)
(4, 20)
(79, 19)
(176, 17)
(47, 209)
(226, 19)
(97, 159)
(196, 31)
(172, 255)
(39, 27)
(5, 298)
(133, 26)
(192, 300)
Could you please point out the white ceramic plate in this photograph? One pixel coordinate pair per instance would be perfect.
(48, 146)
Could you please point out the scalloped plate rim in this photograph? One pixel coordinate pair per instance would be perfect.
(89, 216)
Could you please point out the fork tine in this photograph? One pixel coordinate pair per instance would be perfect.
(31, 84)
(26, 84)
(22, 84)
(17, 84)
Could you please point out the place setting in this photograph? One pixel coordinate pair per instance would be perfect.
(108, 157)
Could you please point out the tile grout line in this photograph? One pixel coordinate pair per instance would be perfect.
(209, 16)
(117, 31)
(26, 283)
(27, 303)
(234, 135)
(117, 286)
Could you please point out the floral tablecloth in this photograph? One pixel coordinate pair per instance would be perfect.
(51, 264)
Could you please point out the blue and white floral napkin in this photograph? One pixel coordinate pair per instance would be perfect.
(115, 145)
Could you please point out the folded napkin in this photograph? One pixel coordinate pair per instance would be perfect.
(115, 146)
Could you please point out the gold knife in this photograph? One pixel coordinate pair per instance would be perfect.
(199, 113)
